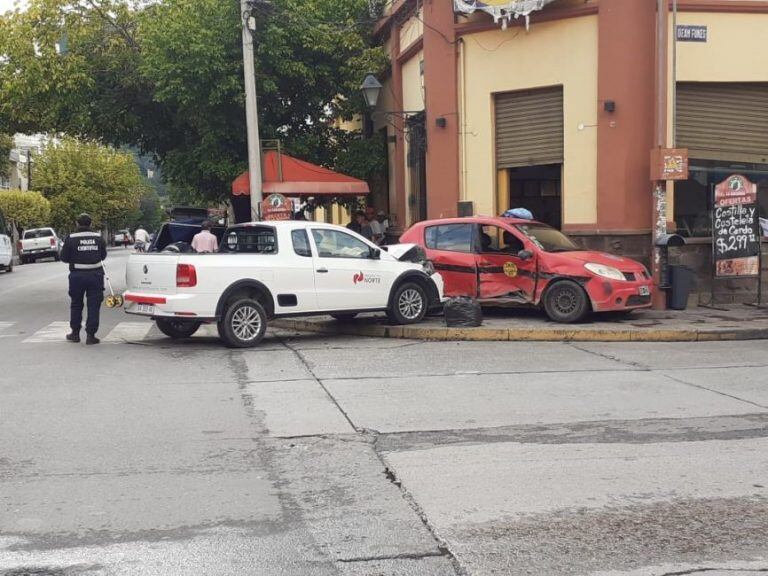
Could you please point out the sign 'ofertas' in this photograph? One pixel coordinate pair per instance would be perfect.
(736, 228)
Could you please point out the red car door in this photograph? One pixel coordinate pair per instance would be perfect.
(450, 248)
(501, 271)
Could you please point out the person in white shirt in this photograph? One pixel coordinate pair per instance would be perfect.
(141, 235)
(376, 231)
(204, 241)
(384, 221)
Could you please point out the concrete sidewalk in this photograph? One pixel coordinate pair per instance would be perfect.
(733, 322)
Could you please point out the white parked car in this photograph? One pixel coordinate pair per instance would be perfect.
(39, 243)
(6, 246)
(268, 270)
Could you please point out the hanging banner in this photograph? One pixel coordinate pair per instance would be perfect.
(502, 11)
(736, 229)
(276, 207)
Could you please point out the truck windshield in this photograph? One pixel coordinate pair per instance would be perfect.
(547, 238)
(37, 234)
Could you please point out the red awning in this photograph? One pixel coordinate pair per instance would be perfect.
(299, 178)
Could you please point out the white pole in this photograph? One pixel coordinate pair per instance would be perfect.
(251, 115)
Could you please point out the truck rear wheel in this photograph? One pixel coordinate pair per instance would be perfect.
(177, 328)
(244, 324)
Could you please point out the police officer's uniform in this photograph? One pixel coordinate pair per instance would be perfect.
(84, 251)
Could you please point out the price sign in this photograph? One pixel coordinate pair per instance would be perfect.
(736, 229)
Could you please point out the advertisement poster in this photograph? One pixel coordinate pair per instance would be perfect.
(736, 229)
(277, 207)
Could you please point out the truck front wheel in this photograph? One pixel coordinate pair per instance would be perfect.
(177, 328)
(244, 324)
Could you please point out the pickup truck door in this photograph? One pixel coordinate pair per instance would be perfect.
(346, 277)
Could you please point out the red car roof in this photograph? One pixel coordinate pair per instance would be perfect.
(476, 220)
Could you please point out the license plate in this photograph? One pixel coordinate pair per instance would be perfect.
(145, 308)
(645, 291)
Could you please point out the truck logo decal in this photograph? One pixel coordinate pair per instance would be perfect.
(369, 279)
(146, 270)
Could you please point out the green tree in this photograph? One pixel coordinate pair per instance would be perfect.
(82, 176)
(6, 144)
(25, 209)
(167, 78)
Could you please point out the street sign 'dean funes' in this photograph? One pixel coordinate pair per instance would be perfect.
(277, 207)
(669, 164)
(736, 229)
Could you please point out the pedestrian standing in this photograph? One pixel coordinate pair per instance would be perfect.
(356, 224)
(377, 236)
(384, 222)
(85, 252)
(204, 241)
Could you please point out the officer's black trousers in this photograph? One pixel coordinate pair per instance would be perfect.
(85, 284)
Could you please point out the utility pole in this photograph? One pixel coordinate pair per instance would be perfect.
(251, 109)
(29, 169)
(659, 210)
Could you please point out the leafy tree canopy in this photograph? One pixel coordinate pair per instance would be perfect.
(6, 144)
(167, 77)
(25, 209)
(77, 176)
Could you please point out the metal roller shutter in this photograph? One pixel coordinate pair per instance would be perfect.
(723, 119)
(529, 127)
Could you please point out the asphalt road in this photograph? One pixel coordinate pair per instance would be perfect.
(341, 456)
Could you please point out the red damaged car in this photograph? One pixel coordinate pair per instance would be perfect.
(509, 261)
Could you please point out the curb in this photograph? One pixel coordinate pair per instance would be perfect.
(521, 334)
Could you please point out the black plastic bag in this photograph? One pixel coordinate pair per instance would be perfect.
(463, 312)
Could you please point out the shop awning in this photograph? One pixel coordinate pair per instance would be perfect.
(283, 174)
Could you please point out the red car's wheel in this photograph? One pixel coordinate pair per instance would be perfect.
(566, 302)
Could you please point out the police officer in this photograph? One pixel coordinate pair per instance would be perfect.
(84, 251)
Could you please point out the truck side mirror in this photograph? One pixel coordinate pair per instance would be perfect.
(525, 254)
(374, 254)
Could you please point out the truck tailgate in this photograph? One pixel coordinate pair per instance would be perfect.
(151, 273)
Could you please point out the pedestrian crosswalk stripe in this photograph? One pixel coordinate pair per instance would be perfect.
(122, 332)
(54, 332)
(129, 332)
(5, 326)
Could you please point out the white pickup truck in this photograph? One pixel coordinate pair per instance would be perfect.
(39, 243)
(268, 270)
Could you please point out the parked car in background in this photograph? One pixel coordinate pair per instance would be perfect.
(267, 270)
(38, 243)
(6, 246)
(516, 262)
(122, 238)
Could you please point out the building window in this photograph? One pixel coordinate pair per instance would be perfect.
(5, 183)
(693, 197)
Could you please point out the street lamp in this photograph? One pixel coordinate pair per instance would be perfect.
(371, 88)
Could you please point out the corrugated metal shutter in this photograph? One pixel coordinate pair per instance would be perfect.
(723, 118)
(529, 127)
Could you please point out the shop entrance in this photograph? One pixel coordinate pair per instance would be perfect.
(539, 189)
(417, 166)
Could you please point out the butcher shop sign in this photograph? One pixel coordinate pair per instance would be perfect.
(736, 229)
